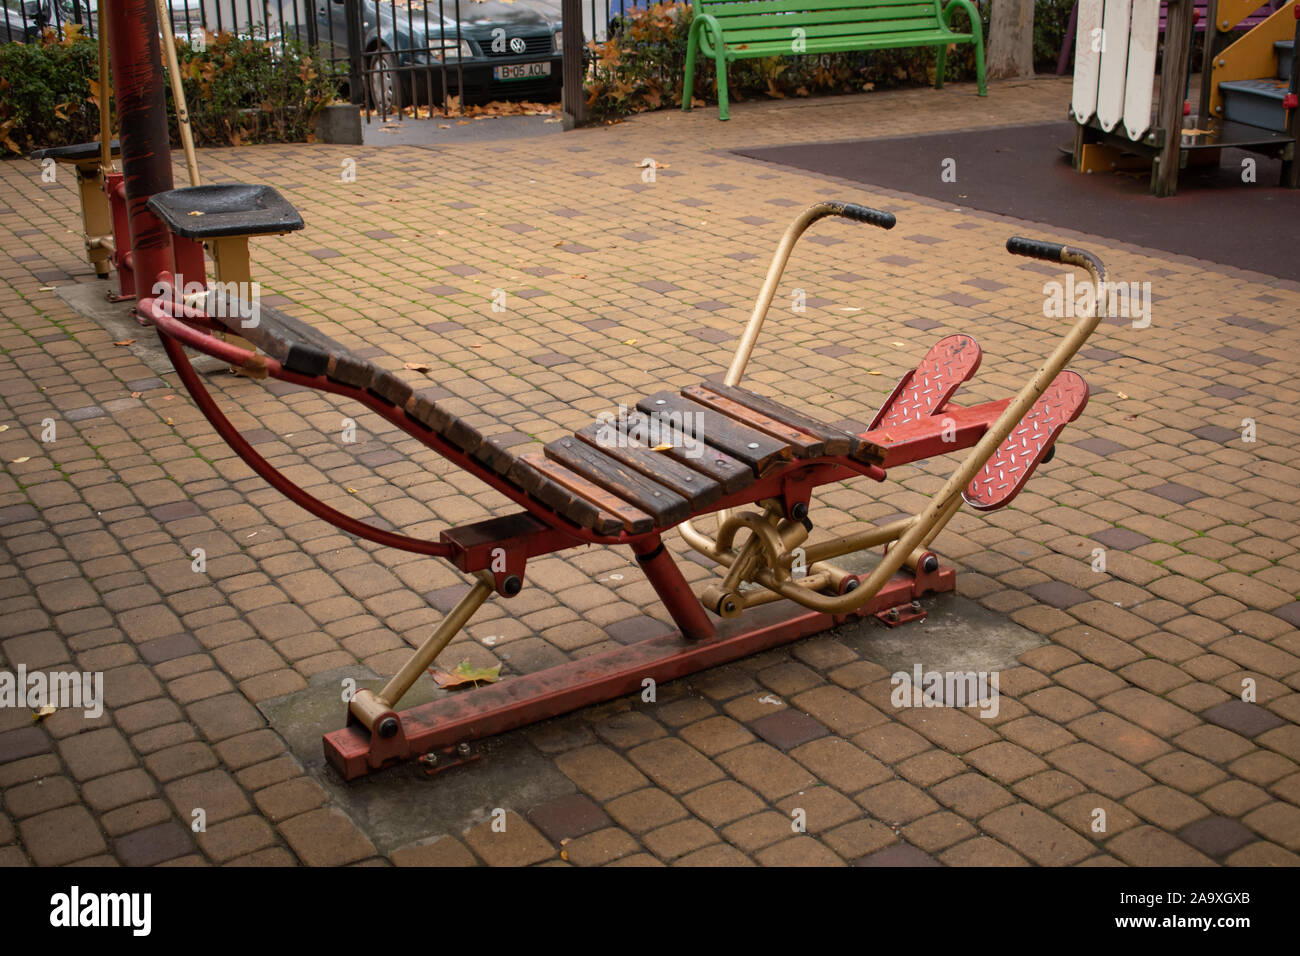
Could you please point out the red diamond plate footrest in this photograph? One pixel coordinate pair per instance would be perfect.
(1027, 445)
(922, 392)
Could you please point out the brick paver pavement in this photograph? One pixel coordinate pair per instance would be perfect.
(616, 286)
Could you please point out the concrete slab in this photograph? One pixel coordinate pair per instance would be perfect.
(403, 804)
(89, 299)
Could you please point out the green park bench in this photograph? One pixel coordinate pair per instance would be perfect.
(747, 29)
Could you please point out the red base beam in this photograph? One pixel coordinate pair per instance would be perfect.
(519, 701)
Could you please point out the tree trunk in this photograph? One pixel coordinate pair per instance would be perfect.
(1011, 39)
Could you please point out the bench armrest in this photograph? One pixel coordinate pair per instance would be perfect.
(976, 25)
(709, 40)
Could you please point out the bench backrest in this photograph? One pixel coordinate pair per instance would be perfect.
(745, 21)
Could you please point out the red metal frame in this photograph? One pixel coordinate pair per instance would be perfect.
(151, 256)
(526, 699)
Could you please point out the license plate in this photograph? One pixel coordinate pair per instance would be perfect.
(521, 71)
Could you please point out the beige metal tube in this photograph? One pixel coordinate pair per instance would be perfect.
(401, 682)
(178, 89)
(927, 520)
(105, 99)
(768, 292)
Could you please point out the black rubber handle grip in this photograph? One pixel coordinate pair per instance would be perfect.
(876, 217)
(1035, 248)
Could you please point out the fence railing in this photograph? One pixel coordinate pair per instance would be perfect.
(424, 51)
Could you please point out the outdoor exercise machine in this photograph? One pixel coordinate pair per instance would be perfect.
(234, 214)
(1247, 95)
(760, 465)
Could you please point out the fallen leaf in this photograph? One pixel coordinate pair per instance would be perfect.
(4, 428)
(46, 288)
(136, 394)
(19, 461)
(169, 421)
(352, 491)
(1121, 395)
(46, 711)
(416, 366)
(873, 373)
(125, 342)
(195, 212)
(560, 243)
(667, 447)
(899, 345)
(629, 342)
(556, 120)
(850, 308)
(466, 673)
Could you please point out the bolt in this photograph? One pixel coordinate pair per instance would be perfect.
(463, 748)
(511, 585)
(930, 564)
(893, 614)
(799, 511)
(916, 605)
(388, 727)
(431, 759)
(851, 585)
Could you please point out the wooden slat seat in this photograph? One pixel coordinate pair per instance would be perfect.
(673, 457)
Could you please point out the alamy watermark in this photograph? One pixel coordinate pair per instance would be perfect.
(657, 430)
(64, 690)
(1114, 300)
(923, 688)
(220, 300)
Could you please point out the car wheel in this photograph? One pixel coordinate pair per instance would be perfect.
(383, 84)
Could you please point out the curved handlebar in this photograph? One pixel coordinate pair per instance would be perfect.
(859, 213)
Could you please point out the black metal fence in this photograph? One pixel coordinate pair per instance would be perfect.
(394, 53)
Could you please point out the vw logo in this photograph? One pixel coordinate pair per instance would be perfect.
(517, 45)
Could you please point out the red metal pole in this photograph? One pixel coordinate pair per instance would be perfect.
(136, 57)
(678, 598)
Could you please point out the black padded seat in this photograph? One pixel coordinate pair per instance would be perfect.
(226, 209)
(77, 152)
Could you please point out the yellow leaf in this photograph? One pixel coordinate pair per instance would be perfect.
(19, 461)
(629, 342)
(124, 342)
(1121, 395)
(46, 711)
(169, 421)
(873, 373)
(466, 673)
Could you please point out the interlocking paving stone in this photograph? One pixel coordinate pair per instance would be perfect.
(1249, 720)
(1216, 836)
(787, 729)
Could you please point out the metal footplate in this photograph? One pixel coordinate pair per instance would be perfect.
(925, 390)
(1016, 458)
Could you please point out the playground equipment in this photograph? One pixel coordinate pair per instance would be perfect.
(1248, 87)
(748, 460)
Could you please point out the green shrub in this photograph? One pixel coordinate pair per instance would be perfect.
(243, 90)
(239, 90)
(48, 92)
